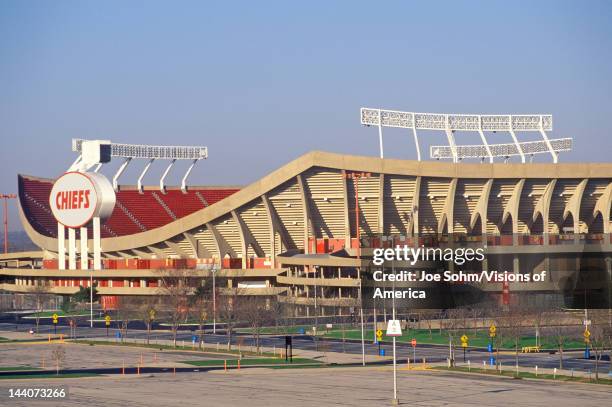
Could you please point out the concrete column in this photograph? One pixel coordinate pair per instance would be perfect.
(71, 249)
(61, 246)
(97, 256)
(515, 264)
(84, 250)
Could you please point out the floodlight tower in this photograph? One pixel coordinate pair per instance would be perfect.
(130, 152)
(5, 198)
(449, 123)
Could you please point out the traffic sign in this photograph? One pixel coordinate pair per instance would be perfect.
(492, 330)
(394, 328)
(464, 341)
(379, 334)
(413, 342)
(587, 335)
(55, 316)
(107, 320)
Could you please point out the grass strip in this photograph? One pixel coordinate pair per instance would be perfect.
(251, 362)
(48, 376)
(527, 375)
(13, 368)
(172, 348)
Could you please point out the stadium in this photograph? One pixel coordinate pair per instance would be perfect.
(304, 233)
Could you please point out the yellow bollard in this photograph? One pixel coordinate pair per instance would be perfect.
(49, 338)
(225, 365)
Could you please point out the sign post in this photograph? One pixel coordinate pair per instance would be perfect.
(492, 334)
(107, 322)
(379, 334)
(413, 343)
(464, 344)
(587, 340)
(55, 316)
(394, 329)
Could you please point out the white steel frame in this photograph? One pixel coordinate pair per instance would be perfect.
(502, 150)
(141, 151)
(449, 123)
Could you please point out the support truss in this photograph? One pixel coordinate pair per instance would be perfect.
(449, 123)
(151, 153)
(502, 150)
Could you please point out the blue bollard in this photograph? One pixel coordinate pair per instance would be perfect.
(382, 352)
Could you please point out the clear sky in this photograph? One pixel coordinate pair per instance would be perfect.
(261, 83)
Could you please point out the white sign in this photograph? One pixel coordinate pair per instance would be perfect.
(394, 328)
(77, 197)
(586, 322)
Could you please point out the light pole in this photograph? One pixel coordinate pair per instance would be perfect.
(395, 400)
(6, 197)
(316, 310)
(356, 176)
(91, 299)
(213, 270)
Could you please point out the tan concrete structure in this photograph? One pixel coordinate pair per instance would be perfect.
(301, 220)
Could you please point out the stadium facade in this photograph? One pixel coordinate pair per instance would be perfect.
(306, 231)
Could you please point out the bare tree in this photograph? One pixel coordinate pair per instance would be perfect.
(560, 335)
(227, 308)
(600, 336)
(127, 310)
(256, 311)
(452, 323)
(58, 354)
(176, 287)
(40, 293)
(148, 313)
(429, 315)
(201, 306)
(514, 321)
(281, 315)
(476, 316)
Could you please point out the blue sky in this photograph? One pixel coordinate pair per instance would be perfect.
(261, 83)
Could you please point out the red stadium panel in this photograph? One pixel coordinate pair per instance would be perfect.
(134, 212)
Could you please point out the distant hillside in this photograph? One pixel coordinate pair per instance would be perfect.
(18, 242)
